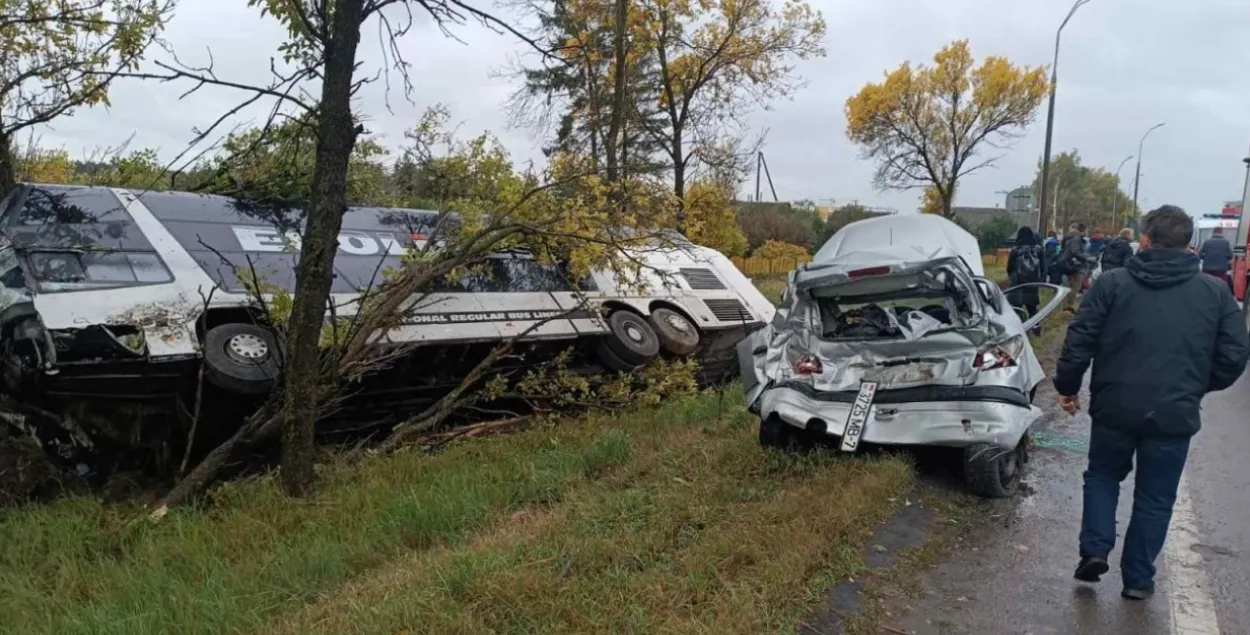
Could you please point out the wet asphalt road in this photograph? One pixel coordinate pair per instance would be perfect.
(1015, 574)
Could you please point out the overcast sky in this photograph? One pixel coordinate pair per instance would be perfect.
(1125, 65)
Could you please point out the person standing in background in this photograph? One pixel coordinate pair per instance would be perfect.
(1051, 248)
(1026, 264)
(1217, 256)
(1118, 251)
(1073, 260)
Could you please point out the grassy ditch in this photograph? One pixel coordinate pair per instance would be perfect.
(670, 520)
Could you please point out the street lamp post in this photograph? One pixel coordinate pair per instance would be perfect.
(1050, 112)
(1115, 198)
(1137, 179)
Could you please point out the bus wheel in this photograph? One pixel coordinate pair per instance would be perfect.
(630, 342)
(677, 334)
(241, 358)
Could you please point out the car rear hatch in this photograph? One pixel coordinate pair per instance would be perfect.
(908, 326)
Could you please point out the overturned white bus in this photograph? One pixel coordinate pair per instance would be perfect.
(112, 296)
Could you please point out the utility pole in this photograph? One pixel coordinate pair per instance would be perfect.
(1050, 114)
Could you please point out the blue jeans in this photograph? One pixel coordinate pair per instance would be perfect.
(1160, 461)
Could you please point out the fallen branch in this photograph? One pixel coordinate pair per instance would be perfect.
(442, 438)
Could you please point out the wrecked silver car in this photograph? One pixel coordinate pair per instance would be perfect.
(894, 336)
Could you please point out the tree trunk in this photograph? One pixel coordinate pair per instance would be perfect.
(948, 202)
(679, 179)
(8, 166)
(615, 142)
(303, 388)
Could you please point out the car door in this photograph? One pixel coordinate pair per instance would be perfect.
(1044, 311)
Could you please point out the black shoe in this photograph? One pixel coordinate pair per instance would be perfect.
(1137, 594)
(1091, 569)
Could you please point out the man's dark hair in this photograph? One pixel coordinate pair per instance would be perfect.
(1168, 227)
(1080, 227)
(1218, 231)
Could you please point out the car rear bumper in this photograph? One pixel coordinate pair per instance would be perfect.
(952, 418)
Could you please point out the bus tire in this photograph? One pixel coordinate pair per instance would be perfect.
(631, 339)
(610, 361)
(677, 334)
(241, 358)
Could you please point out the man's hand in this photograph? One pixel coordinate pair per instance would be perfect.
(1070, 403)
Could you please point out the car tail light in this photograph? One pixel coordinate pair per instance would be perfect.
(807, 366)
(1002, 355)
(870, 271)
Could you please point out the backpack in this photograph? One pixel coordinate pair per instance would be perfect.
(1029, 264)
(1073, 259)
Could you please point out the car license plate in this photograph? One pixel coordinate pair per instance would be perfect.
(858, 418)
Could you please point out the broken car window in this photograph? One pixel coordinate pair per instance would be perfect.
(918, 305)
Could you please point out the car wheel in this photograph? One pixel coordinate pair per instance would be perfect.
(992, 472)
(1033, 394)
(677, 334)
(631, 339)
(241, 358)
(776, 434)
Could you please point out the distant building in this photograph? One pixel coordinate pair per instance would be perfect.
(1021, 200)
(974, 217)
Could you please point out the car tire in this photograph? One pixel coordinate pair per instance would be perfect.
(241, 358)
(1033, 394)
(630, 339)
(677, 334)
(776, 434)
(991, 472)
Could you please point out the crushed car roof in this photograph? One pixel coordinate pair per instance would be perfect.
(899, 239)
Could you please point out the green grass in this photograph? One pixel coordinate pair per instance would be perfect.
(771, 287)
(670, 520)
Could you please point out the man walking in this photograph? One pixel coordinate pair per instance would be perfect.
(1217, 256)
(1074, 264)
(1160, 336)
(1118, 251)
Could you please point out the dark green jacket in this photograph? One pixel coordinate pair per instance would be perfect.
(1160, 336)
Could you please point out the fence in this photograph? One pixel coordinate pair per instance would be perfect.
(999, 257)
(756, 266)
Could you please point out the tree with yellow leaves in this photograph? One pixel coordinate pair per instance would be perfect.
(925, 125)
(61, 54)
(931, 200)
(711, 219)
